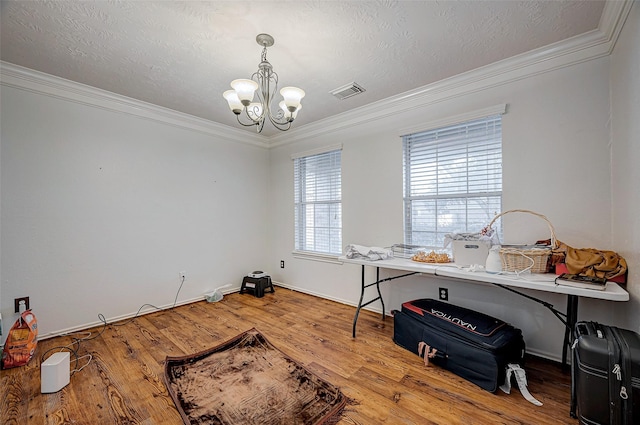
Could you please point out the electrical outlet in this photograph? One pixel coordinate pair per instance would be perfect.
(183, 274)
(16, 303)
(444, 294)
(282, 264)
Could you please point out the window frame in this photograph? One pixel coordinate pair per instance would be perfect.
(302, 249)
(421, 135)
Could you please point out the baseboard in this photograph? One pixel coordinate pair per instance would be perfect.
(548, 356)
(84, 327)
(79, 328)
(323, 296)
(538, 353)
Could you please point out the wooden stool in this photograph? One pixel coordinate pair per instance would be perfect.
(257, 285)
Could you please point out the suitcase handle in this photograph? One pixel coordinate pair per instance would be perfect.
(427, 352)
(582, 328)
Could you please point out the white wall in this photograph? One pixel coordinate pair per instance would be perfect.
(102, 210)
(556, 162)
(625, 147)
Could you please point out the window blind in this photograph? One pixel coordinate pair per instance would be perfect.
(452, 180)
(318, 202)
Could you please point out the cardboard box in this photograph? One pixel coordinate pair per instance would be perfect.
(467, 253)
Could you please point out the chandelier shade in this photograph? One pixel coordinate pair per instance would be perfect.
(292, 97)
(234, 102)
(245, 90)
(263, 85)
(287, 112)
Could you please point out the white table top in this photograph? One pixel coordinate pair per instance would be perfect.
(539, 282)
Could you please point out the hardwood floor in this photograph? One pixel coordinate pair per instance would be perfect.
(123, 384)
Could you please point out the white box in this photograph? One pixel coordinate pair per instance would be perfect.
(468, 253)
(54, 372)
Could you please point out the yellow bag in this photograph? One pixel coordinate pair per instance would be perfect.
(593, 262)
(21, 342)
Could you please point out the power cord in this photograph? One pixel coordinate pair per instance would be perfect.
(89, 336)
(175, 300)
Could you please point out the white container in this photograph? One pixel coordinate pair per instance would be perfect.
(468, 253)
(54, 373)
(494, 262)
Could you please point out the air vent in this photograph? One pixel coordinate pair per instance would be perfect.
(349, 90)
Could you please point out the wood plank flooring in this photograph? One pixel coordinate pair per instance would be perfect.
(123, 383)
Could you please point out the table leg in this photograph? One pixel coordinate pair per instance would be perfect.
(355, 319)
(379, 293)
(364, 286)
(572, 318)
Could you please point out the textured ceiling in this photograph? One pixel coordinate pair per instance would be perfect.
(182, 55)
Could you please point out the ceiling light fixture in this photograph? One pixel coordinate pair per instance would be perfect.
(265, 81)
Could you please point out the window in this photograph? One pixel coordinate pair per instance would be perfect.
(318, 202)
(452, 180)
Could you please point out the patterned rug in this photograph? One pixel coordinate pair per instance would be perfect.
(246, 380)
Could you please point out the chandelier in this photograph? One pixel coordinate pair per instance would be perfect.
(264, 83)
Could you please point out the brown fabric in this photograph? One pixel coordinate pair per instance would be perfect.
(557, 255)
(593, 262)
(248, 381)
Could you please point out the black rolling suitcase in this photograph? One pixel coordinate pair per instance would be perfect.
(606, 375)
(470, 344)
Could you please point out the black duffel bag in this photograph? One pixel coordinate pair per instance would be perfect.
(473, 345)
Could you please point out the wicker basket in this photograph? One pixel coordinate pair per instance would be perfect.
(520, 260)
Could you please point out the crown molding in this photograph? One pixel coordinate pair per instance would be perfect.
(591, 45)
(585, 47)
(37, 82)
(613, 18)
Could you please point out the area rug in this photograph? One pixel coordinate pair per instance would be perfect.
(247, 380)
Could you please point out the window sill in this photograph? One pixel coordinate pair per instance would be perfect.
(316, 256)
